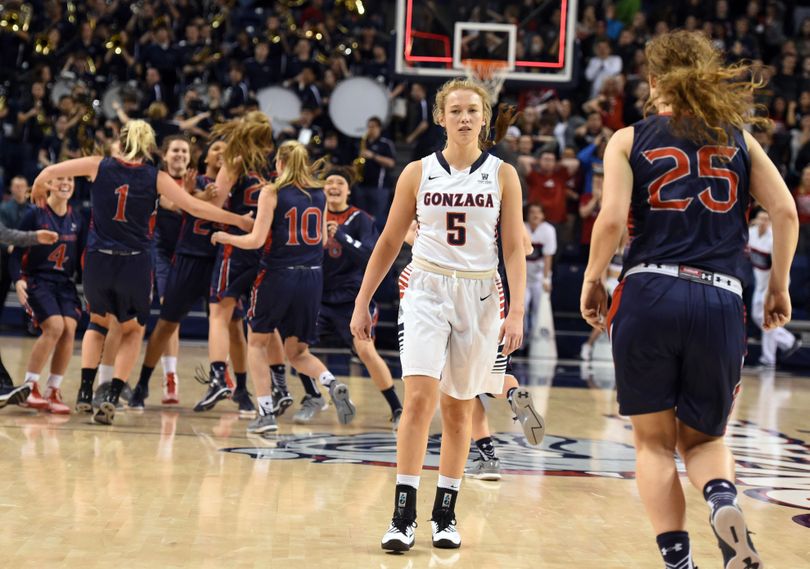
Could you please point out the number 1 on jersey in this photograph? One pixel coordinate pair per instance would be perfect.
(120, 210)
(456, 230)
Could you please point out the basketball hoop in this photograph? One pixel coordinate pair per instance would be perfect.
(490, 73)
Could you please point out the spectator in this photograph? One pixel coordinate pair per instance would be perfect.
(590, 161)
(419, 123)
(593, 128)
(373, 192)
(802, 196)
(11, 213)
(155, 91)
(602, 66)
(261, 71)
(567, 124)
(543, 238)
(589, 206)
(546, 183)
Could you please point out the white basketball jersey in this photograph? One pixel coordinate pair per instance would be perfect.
(760, 249)
(457, 213)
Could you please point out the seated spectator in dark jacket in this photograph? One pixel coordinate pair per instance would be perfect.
(236, 95)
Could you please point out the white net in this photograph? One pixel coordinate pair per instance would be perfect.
(491, 74)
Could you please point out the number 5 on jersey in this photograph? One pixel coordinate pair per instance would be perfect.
(456, 229)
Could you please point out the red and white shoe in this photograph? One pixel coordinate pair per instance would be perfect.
(55, 405)
(170, 395)
(35, 399)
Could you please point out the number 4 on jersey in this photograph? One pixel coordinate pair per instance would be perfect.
(57, 256)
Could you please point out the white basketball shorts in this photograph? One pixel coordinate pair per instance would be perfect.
(448, 329)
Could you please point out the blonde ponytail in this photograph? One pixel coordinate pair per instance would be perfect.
(137, 140)
(297, 169)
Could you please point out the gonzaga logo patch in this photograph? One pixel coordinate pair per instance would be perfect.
(771, 466)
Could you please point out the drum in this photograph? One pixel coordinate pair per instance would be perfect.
(356, 100)
(114, 94)
(63, 86)
(282, 105)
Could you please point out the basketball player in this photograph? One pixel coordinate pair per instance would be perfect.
(176, 152)
(245, 165)
(352, 235)
(9, 394)
(286, 297)
(451, 320)
(187, 284)
(760, 244)
(538, 265)
(677, 322)
(43, 277)
(118, 268)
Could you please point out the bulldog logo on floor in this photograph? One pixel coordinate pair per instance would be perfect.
(771, 466)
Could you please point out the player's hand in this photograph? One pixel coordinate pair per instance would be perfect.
(777, 309)
(331, 228)
(190, 180)
(39, 192)
(361, 322)
(218, 237)
(210, 192)
(246, 222)
(22, 291)
(593, 304)
(45, 237)
(511, 333)
(547, 285)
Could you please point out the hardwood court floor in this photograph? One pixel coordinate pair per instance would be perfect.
(159, 490)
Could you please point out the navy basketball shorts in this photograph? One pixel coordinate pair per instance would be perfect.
(336, 319)
(677, 344)
(163, 264)
(48, 298)
(234, 273)
(120, 285)
(287, 300)
(187, 284)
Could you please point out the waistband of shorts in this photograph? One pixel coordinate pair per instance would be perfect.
(439, 270)
(118, 253)
(301, 268)
(693, 274)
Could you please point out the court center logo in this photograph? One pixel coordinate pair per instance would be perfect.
(771, 466)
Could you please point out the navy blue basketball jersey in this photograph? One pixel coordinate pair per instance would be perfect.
(123, 199)
(195, 234)
(244, 197)
(167, 226)
(57, 261)
(296, 235)
(347, 254)
(690, 201)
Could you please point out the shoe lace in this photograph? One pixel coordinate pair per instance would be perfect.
(445, 520)
(401, 522)
(201, 375)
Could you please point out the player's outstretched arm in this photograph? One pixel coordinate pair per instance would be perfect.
(403, 210)
(198, 208)
(513, 232)
(268, 199)
(87, 166)
(769, 189)
(609, 226)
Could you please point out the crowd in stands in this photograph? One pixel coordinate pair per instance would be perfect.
(185, 65)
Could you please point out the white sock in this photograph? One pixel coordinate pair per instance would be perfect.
(408, 480)
(31, 377)
(169, 364)
(449, 483)
(265, 404)
(55, 381)
(105, 374)
(326, 378)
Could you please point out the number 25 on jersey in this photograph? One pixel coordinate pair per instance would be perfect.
(712, 162)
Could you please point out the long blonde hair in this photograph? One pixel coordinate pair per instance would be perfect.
(250, 138)
(707, 96)
(506, 113)
(137, 140)
(298, 171)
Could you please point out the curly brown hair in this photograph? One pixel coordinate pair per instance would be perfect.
(706, 95)
(250, 139)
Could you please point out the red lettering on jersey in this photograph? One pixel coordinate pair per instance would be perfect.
(707, 170)
(680, 170)
(199, 227)
(292, 217)
(120, 210)
(251, 197)
(58, 257)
